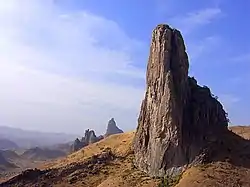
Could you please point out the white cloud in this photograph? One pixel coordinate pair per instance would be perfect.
(41, 47)
(200, 42)
(30, 97)
(194, 20)
(71, 39)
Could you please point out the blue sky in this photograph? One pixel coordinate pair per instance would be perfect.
(68, 65)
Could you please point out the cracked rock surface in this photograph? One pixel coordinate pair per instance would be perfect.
(179, 119)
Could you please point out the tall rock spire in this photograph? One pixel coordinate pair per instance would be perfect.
(176, 112)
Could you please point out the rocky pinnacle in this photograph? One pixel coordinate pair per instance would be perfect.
(178, 118)
(112, 128)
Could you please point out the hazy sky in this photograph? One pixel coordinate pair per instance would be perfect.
(68, 65)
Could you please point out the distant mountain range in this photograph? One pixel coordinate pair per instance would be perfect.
(13, 162)
(11, 138)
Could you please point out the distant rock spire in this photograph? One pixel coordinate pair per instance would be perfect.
(88, 138)
(112, 128)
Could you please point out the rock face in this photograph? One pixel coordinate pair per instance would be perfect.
(179, 119)
(112, 128)
(88, 138)
(77, 145)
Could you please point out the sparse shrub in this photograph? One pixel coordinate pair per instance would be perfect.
(169, 181)
(163, 183)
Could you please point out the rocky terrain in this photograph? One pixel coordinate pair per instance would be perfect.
(105, 163)
(110, 162)
(13, 163)
(182, 138)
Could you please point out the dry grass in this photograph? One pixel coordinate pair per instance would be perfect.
(243, 131)
(121, 172)
(219, 174)
(118, 172)
(120, 145)
(123, 175)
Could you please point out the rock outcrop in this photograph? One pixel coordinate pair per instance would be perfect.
(88, 138)
(77, 145)
(179, 120)
(112, 128)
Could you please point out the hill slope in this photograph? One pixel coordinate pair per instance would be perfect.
(42, 154)
(106, 163)
(5, 164)
(219, 174)
(120, 144)
(243, 131)
(110, 163)
(7, 144)
(12, 163)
